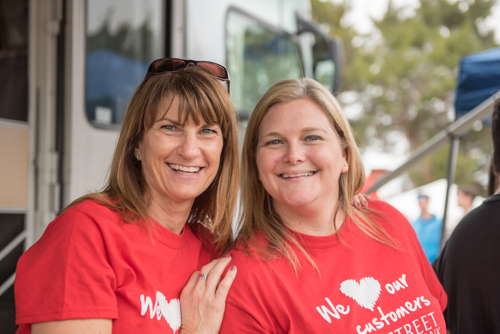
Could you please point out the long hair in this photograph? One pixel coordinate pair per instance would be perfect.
(126, 189)
(257, 212)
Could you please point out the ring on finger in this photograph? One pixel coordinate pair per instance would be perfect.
(203, 276)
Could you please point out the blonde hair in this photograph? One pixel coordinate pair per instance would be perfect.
(126, 190)
(258, 213)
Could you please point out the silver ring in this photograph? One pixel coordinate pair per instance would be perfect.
(203, 276)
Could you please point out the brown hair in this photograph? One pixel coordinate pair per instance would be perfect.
(126, 190)
(258, 213)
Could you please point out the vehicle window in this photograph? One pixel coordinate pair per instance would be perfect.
(14, 60)
(257, 57)
(123, 38)
(323, 64)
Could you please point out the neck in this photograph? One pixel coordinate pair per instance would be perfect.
(426, 215)
(319, 222)
(172, 216)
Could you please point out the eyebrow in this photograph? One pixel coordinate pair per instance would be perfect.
(167, 119)
(305, 130)
(180, 124)
(271, 134)
(313, 129)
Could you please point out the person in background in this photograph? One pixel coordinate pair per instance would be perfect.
(127, 259)
(468, 266)
(465, 197)
(428, 229)
(308, 260)
(465, 200)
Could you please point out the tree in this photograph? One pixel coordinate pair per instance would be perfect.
(403, 75)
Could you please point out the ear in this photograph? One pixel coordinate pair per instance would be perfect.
(137, 152)
(345, 166)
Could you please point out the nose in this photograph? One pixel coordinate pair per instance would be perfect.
(294, 154)
(189, 147)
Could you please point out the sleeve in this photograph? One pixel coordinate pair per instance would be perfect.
(435, 287)
(237, 320)
(66, 274)
(408, 235)
(433, 284)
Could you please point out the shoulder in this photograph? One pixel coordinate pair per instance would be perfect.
(83, 221)
(250, 260)
(477, 226)
(247, 255)
(393, 222)
(385, 208)
(90, 208)
(88, 212)
(387, 216)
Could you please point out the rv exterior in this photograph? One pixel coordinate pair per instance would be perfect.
(69, 68)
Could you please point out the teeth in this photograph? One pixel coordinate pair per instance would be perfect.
(286, 176)
(184, 169)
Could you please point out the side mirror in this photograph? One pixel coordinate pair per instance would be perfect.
(327, 54)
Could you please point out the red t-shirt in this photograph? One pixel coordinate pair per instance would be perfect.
(90, 264)
(364, 287)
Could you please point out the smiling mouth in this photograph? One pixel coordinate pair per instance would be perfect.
(184, 169)
(289, 176)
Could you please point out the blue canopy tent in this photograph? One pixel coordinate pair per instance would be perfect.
(478, 80)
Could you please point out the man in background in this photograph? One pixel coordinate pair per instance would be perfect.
(469, 265)
(465, 197)
(428, 229)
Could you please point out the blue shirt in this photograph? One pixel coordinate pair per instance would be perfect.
(429, 234)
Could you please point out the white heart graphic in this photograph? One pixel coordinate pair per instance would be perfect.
(171, 311)
(365, 293)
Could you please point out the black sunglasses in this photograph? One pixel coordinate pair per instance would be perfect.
(177, 64)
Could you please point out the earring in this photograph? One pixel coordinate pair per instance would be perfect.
(345, 165)
(138, 157)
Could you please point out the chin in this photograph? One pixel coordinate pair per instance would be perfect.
(186, 196)
(296, 202)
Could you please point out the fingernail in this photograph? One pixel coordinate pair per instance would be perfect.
(366, 202)
(233, 267)
(227, 256)
(358, 204)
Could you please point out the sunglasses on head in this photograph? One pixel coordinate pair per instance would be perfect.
(176, 64)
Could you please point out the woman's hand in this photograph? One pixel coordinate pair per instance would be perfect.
(359, 201)
(203, 300)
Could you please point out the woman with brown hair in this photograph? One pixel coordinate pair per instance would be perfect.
(309, 261)
(118, 260)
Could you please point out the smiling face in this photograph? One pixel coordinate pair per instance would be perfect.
(299, 156)
(179, 162)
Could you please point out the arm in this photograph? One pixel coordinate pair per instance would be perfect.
(65, 275)
(76, 326)
(203, 301)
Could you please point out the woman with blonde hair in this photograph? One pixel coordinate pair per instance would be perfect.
(309, 261)
(122, 260)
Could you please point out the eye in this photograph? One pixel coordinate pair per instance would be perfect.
(168, 127)
(208, 131)
(312, 138)
(273, 142)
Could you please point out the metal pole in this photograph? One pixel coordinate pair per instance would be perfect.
(450, 178)
(457, 128)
